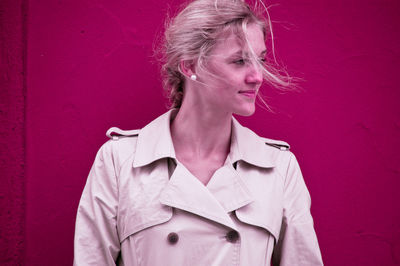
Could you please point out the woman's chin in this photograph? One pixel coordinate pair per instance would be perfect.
(245, 110)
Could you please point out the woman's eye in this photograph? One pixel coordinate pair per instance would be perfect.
(239, 62)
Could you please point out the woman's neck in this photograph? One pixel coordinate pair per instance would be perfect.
(201, 133)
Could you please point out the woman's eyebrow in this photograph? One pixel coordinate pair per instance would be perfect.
(240, 52)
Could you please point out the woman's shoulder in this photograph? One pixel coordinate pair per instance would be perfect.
(121, 144)
(278, 150)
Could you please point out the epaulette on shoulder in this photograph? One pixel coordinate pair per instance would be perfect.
(279, 144)
(115, 132)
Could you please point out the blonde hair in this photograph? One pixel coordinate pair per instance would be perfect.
(191, 35)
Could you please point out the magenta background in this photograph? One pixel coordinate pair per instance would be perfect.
(90, 68)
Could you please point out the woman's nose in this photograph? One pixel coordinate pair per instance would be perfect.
(254, 74)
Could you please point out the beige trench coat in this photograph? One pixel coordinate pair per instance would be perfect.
(141, 206)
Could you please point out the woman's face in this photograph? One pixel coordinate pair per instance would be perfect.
(238, 76)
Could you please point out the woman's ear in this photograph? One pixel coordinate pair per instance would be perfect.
(187, 68)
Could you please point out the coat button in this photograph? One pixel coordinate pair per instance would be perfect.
(173, 238)
(232, 236)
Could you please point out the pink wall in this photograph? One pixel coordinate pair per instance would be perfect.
(90, 67)
(12, 130)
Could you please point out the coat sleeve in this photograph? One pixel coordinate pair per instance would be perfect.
(96, 239)
(297, 244)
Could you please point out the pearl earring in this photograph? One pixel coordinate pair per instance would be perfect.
(193, 77)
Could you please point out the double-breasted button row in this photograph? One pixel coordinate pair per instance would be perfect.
(232, 236)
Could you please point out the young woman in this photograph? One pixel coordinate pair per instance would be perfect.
(194, 187)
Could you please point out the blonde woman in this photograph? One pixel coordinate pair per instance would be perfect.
(194, 187)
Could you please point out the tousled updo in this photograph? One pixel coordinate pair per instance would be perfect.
(192, 33)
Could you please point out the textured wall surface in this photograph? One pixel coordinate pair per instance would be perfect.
(90, 68)
(12, 131)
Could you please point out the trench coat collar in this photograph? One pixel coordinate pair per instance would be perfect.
(155, 142)
(249, 147)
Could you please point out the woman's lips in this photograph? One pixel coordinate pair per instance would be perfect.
(248, 93)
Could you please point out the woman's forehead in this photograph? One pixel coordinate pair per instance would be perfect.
(232, 43)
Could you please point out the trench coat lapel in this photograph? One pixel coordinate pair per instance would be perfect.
(186, 192)
(228, 188)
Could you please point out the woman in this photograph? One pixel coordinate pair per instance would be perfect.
(194, 187)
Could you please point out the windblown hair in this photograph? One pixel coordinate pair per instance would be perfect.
(191, 35)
